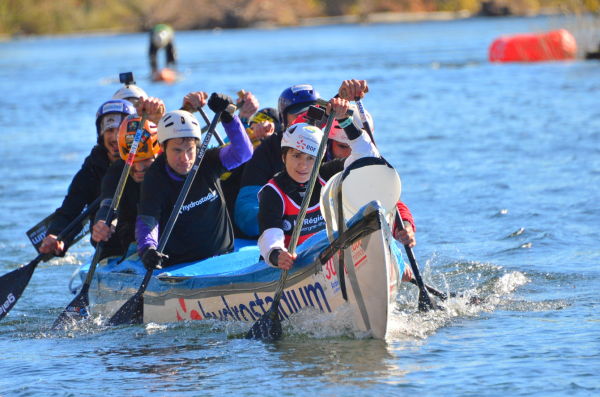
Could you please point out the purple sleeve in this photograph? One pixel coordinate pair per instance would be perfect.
(146, 233)
(240, 150)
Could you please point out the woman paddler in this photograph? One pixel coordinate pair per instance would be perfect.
(281, 198)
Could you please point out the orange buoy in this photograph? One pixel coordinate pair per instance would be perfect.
(554, 45)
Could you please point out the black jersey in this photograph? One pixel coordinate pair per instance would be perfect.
(203, 228)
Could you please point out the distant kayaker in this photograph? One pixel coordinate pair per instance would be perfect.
(86, 185)
(145, 155)
(162, 36)
(203, 228)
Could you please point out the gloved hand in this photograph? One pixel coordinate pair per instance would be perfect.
(218, 103)
(152, 259)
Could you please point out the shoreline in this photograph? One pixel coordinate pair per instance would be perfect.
(374, 18)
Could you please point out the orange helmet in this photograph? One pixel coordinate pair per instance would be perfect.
(148, 147)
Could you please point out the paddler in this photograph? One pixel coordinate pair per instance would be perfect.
(162, 36)
(281, 198)
(86, 185)
(267, 158)
(145, 155)
(203, 228)
(131, 93)
(263, 124)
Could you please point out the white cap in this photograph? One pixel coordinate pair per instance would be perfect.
(178, 124)
(304, 137)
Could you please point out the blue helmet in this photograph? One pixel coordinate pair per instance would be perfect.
(295, 100)
(113, 106)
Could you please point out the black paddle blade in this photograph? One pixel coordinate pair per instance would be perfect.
(268, 327)
(14, 283)
(76, 311)
(132, 312)
(426, 303)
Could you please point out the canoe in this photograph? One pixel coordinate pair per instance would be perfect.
(239, 286)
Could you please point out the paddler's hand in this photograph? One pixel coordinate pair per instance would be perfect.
(152, 259)
(286, 261)
(339, 106)
(194, 100)
(407, 275)
(101, 232)
(250, 105)
(406, 236)
(351, 89)
(218, 103)
(153, 106)
(51, 245)
(263, 130)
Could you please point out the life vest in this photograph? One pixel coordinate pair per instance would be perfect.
(313, 221)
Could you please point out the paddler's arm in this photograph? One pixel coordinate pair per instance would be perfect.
(257, 172)
(270, 222)
(100, 231)
(248, 109)
(406, 236)
(240, 150)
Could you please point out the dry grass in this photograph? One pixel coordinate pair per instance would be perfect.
(63, 16)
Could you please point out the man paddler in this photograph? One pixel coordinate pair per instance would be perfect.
(86, 185)
(145, 155)
(203, 228)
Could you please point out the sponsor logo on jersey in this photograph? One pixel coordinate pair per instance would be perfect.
(287, 226)
(211, 196)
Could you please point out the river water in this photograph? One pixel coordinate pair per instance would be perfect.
(500, 168)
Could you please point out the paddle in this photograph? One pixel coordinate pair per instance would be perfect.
(220, 141)
(425, 302)
(269, 325)
(132, 312)
(14, 283)
(474, 300)
(361, 111)
(77, 309)
(37, 233)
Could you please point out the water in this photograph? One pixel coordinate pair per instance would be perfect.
(500, 169)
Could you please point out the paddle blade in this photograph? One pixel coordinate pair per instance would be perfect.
(76, 311)
(14, 283)
(426, 303)
(268, 327)
(132, 312)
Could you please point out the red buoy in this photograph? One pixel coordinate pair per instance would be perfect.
(554, 45)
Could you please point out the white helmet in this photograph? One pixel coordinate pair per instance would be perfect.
(178, 124)
(337, 133)
(130, 91)
(304, 137)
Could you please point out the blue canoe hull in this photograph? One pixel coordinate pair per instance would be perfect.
(238, 286)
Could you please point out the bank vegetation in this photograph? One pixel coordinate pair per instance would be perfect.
(24, 17)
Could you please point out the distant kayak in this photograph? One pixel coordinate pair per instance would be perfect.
(239, 286)
(165, 75)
